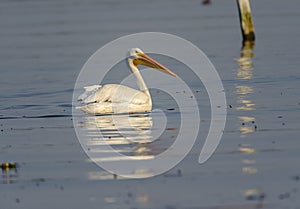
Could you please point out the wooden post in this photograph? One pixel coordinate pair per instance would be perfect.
(246, 23)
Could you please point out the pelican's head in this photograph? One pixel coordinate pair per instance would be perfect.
(138, 57)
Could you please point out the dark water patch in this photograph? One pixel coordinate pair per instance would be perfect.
(281, 129)
(65, 105)
(9, 117)
(35, 94)
(264, 130)
(34, 116)
(273, 80)
(42, 127)
(21, 107)
(245, 151)
(296, 178)
(263, 81)
(47, 116)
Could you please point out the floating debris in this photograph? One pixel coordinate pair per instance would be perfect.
(129, 194)
(7, 166)
(254, 195)
(296, 178)
(285, 195)
(171, 129)
(38, 180)
(206, 2)
(9, 172)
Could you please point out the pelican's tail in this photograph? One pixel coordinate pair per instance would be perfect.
(89, 90)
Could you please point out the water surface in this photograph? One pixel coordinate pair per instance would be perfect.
(43, 47)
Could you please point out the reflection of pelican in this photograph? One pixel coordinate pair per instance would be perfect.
(129, 135)
(115, 98)
(121, 128)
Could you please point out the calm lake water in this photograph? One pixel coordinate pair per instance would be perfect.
(44, 44)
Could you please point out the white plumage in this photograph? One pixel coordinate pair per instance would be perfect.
(116, 98)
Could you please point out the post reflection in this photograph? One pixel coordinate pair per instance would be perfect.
(245, 106)
(243, 90)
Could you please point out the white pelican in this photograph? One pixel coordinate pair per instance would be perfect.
(116, 98)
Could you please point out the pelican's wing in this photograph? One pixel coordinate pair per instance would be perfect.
(88, 91)
(115, 93)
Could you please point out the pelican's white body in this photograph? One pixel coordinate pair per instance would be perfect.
(114, 98)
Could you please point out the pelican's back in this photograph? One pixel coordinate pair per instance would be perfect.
(115, 98)
(116, 93)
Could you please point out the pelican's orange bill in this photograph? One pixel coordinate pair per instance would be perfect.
(149, 62)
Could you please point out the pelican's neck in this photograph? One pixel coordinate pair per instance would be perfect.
(140, 81)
